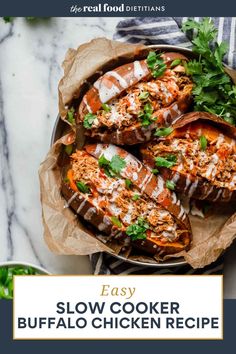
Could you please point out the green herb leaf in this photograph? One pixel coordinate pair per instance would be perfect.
(163, 131)
(112, 168)
(203, 142)
(6, 279)
(155, 171)
(175, 63)
(167, 161)
(117, 164)
(83, 187)
(70, 115)
(69, 149)
(212, 86)
(143, 95)
(156, 64)
(8, 19)
(106, 107)
(128, 183)
(138, 230)
(170, 185)
(88, 120)
(135, 197)
(146, 115)
(116, 221)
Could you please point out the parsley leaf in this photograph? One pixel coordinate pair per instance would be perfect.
(138, 230)
(203, 142)
(70, 115)
(116, 221)
(128, 183)
(112, 168)
(135, 197)
(83, 187)
(170, 185)
(88, 120)
(156, 64)
(213, 90)
(163, 131)
(146, 115)
(175, 63)
(117, 164)
(69, 149)
(143, 95)
(167, 161)
(106, 107)
(155, 171)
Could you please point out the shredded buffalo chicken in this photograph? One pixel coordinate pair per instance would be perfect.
(114, 198)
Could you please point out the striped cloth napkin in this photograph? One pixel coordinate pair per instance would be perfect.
(164, 30)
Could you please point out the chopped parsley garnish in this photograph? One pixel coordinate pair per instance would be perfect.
(116, 221)
(170, 185)
(163, 131)
(155, 171)
(146, 115)
(135, 197)
(143, 95)
(83, 187)
(69, 149)
(106, 107)
(8, 19)
(128, 183)
(213, 90)
(203, 142)
(156, 64)
(6, 279)
(112, 168)
(167, 161)
(175, 63)
(138, 230)
(70, 115)
(88, 120)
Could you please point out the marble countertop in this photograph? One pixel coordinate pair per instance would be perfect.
(30, 59)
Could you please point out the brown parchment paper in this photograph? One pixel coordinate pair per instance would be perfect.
(64, 233)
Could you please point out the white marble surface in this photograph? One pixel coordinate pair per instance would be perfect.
(30, 58)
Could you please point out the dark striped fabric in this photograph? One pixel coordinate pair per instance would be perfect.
(164, 30)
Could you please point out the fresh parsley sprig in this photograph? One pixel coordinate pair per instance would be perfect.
(138, 230)
(167, 161)
(213, 90)
(146, 115)
(112, 168)
(88, 120)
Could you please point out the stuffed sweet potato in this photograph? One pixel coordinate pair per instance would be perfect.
(197, 157)
(124, 200)
(127, 104)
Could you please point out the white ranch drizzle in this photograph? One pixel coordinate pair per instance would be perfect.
(89, 109)
(193, 188)
(138, 70)
(72, 198)
(218, 195)
(106, 93)
(81, 206)
(89, 213)
(123, 83)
